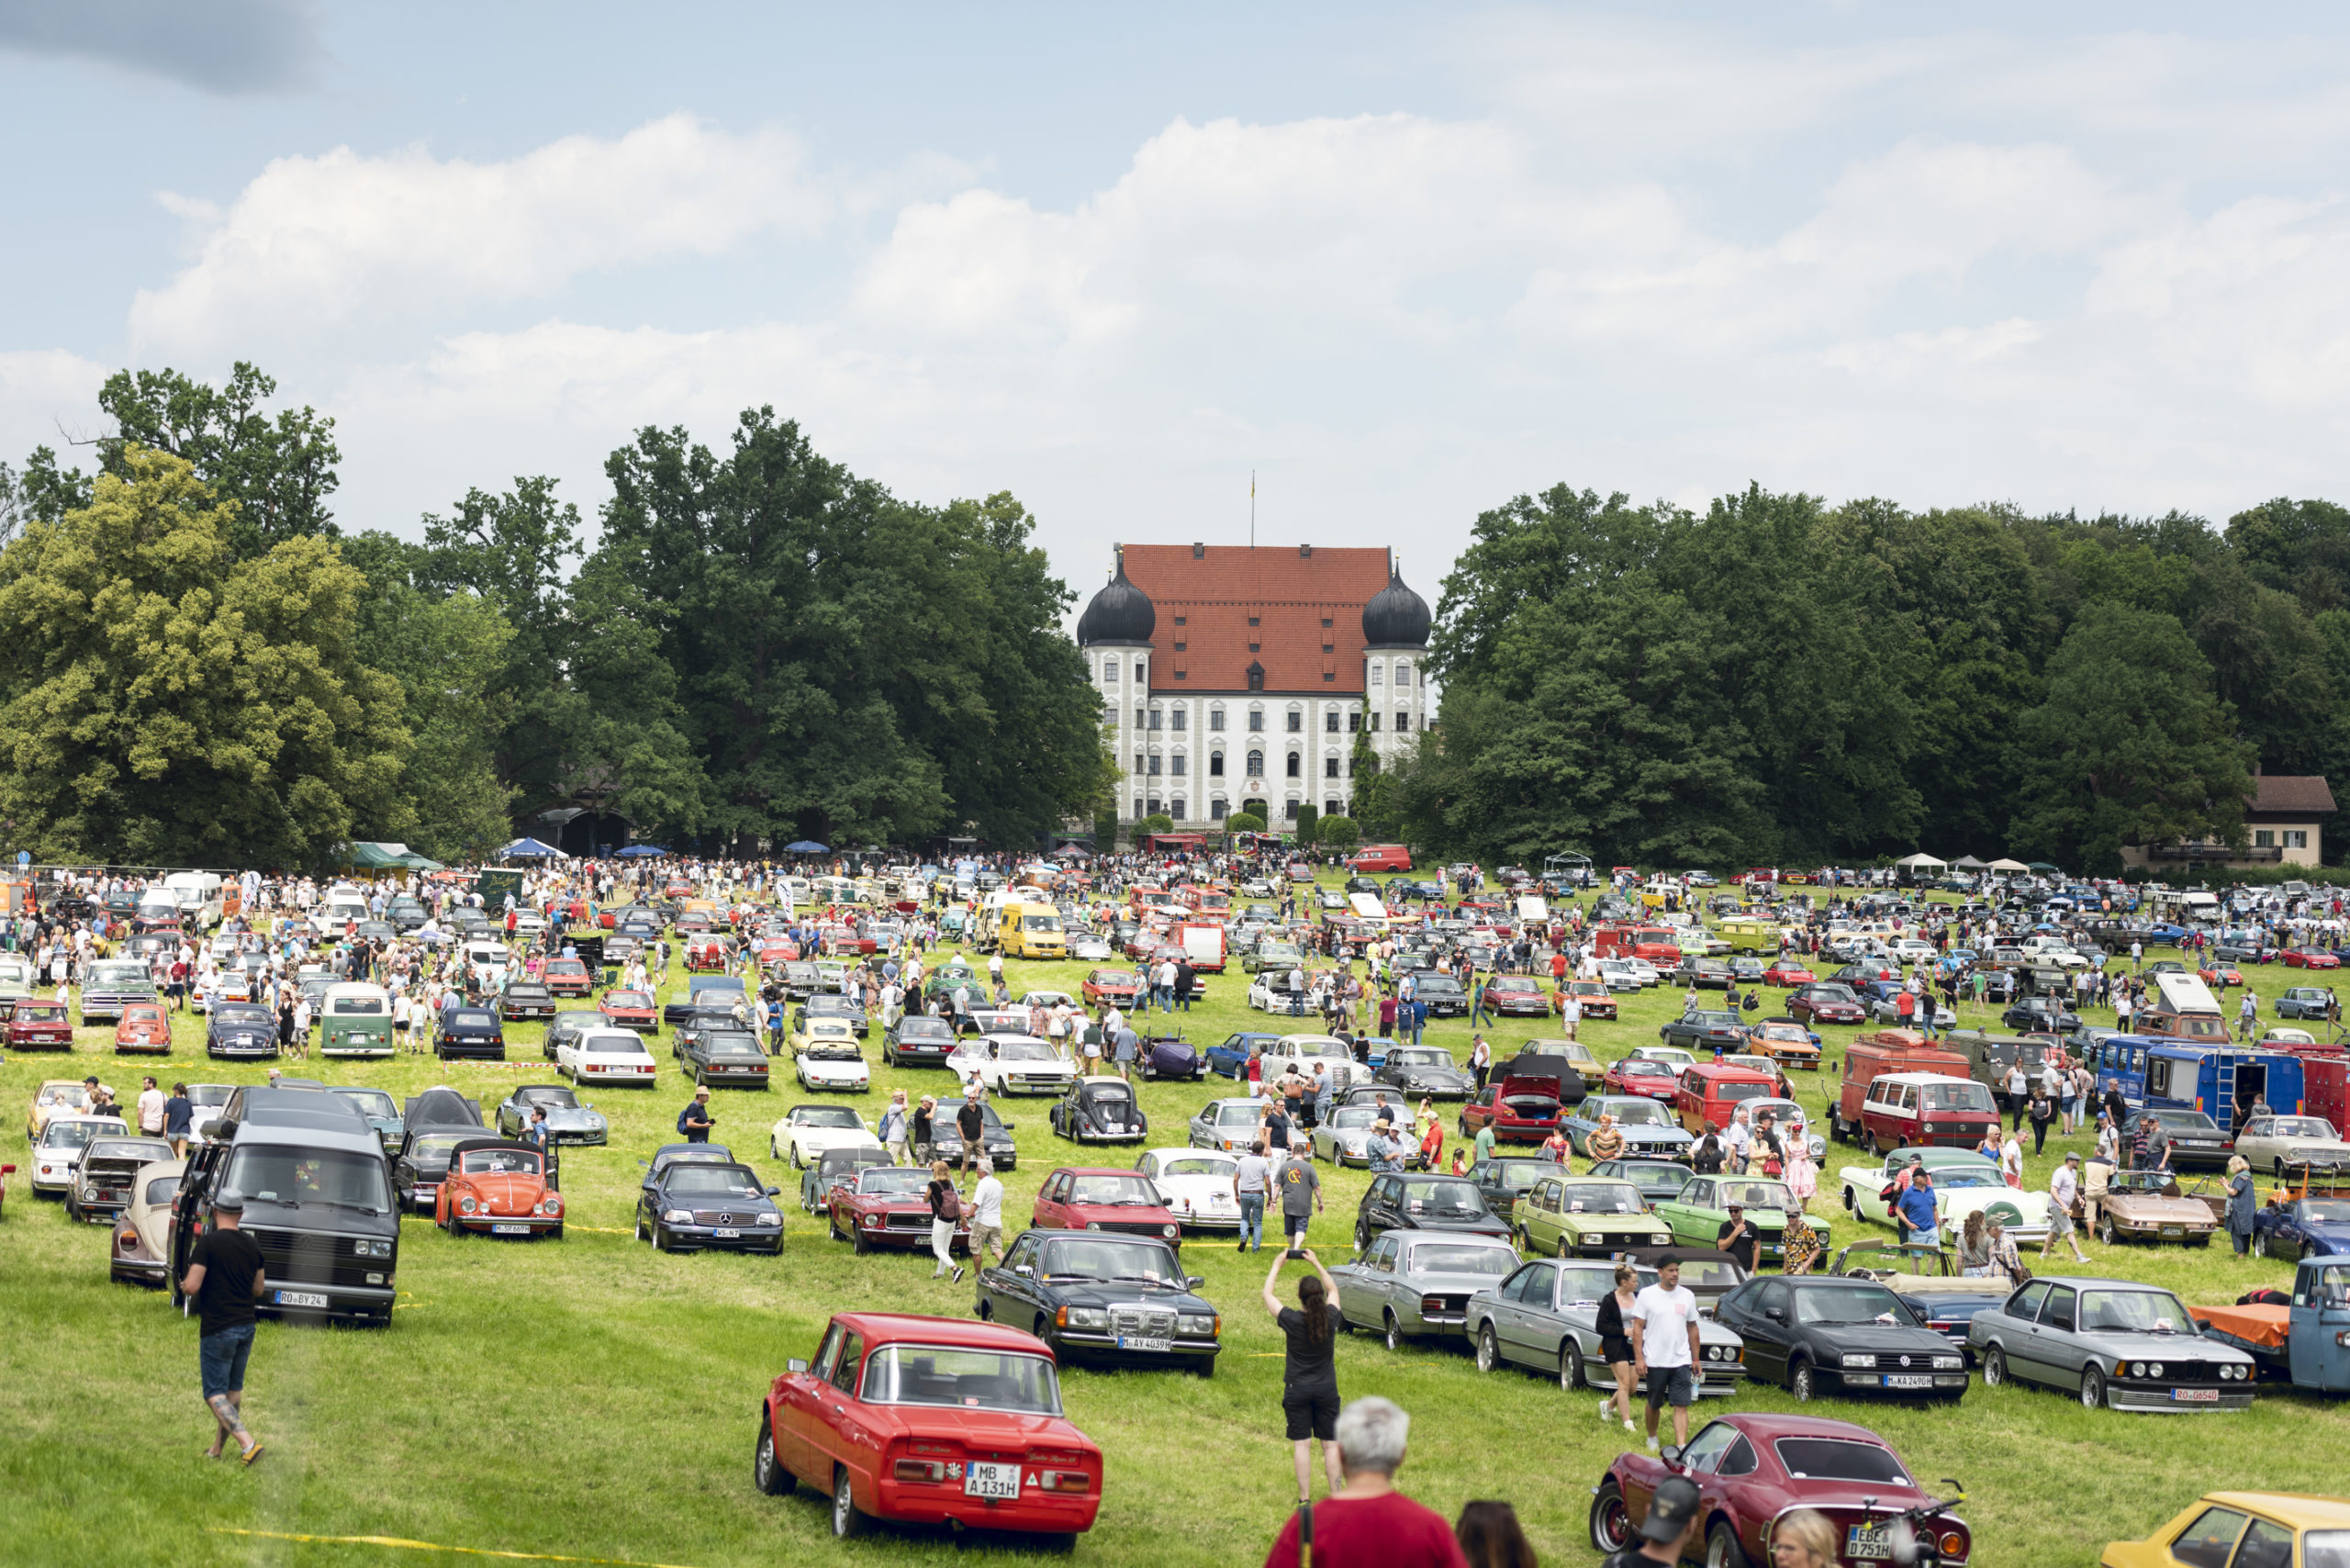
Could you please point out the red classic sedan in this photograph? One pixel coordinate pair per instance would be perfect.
(1653, 1078)
(1751, 1469)
(888, 1207)
(40, 1026)
(1825, 1003)
(1514, 996)
(932, 1421)
(1109, 985)
(2310, 958)
(1593, 996)
(569, 977)
(631, 1009)
(1790, 971)
(1081, 1197)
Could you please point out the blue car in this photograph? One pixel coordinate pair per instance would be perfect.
(2306, 1227)
(1650, 1132)
(1231, 1059)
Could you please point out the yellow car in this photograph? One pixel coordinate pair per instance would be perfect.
(56, 1097)
(2268, 1525)
(808, 1033)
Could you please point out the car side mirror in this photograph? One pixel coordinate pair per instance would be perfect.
(1671, 1453)
(1776, 1313)
(1193, 1282)
(1006, 1122)
(773, 1191)
(795, 1365)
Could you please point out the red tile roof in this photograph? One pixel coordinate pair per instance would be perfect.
(2303, 794)
(1204, 603)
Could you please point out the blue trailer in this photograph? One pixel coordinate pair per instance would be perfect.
(2156, 1074)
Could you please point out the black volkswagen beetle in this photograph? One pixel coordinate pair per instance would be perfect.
(1100, 1109)
(1113, 1300)
(1428, 1072)
(692, 1206)
(1822, 1335)
(241, 1030)
(917, 1040)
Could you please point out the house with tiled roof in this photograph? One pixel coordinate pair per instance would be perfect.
(1238, 676)
(2285, 821)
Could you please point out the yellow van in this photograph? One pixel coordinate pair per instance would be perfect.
(1031, 931)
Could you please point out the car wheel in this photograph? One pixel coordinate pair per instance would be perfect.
(797, 1163)
(767, 1472)
(2260, 1244)
(1571, 1367)
(1362, 1237)
(857, 1242)
(1611, 1522)
(1995, 1367)
(1395, 1331)
(1851, 1203)
(660, 1237)
(848, 1518)
(1564, 1250)
(1722, 1549)
(1802, 1382)
(2105, 1232)
(2093, 1388)
(1489, 1349)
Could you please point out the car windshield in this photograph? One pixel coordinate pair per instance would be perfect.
(1645, 1069)
(614, 1045)
(1714, 1020)
(2302, 1127)
(1638, 1112)
(1958, 1097)
(1847, 1304)
(1113, 976)
(894, 1180)
(1114, 1191)
(1420, 1057)
(297, 1177)
(1198, 1165)
(1736, 1090)
(1455, 1199)
(969, 1380)
(472, 1021)
(75, 1134)
(824, 1116)
(1238, 1114)
(1355, 1117)
(1102, 1259)
(553, 1097)
(38, 1012)
(107, 976)
(1835, 1459)
(1600, 1198)
(712, 1181)
(1786, 1113)
(1832, 994)
(1023, 1050)
(627, 998)
(499, 1162)
(1453, 1258)
(2133, 1312)
(60, 1095)
(1756, 1194)
(1959, 1179)
(371, 1101)
(733, 1046)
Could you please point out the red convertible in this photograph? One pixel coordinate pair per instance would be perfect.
(2310, 958)
(1109, 985)
(1789, 971)
(888, 1207)
(498, 1188)
(932, 1420)
(569, 977)
(708, 955)
(1652, 1079)
(1750, 1470)
(631, 1009)
(1087, 1198)
(2220, 975)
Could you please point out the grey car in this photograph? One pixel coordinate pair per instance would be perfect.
(2117, 1344)
(1649, 1130)
(1409, 1285)
(568, 1121)
(1344, 1136)
(1228, 1125)
(1546, 1317)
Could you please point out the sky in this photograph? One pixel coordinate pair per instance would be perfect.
(1399, 264)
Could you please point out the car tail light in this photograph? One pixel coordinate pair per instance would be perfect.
(920, 1470)
(1064, 1479)
(1954, 1546)
(127, 1238)
(1431, 1303)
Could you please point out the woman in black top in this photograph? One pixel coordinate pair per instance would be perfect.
(1706, 1159)
(1615, 1343)
(1309, 1376)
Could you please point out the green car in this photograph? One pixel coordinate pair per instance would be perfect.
(1698, 1212)
(1584, 1216)
(943, 981)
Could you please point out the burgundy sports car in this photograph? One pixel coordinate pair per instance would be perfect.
(890, 1207)
(1753, 1469)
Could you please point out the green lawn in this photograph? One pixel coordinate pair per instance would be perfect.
(590, 1398)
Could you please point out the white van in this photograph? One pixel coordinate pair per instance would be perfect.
(1533, 909)
(197, 893)
(1367, 909)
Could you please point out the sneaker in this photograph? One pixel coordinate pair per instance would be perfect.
(1652, 1444)
(958, 1276)
(1632, 1427)
(1604, 1406)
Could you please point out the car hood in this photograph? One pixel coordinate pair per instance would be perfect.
(1489, 1224)
(507, 1192)
(2146, 1206)
(1105, 1292)
(1881, 1338)
(565, 1117)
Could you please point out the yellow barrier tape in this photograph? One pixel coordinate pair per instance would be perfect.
(393, 1541)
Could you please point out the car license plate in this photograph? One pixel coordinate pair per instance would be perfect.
(2196, 1396)
(300, 1298)
(1908, 1380)
(727, 1235)
(2173, 1230)
(510, 1230)
(984, 1478)
(1143, 1342)
(1869, 1542)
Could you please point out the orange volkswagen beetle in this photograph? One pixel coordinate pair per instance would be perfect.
(144, 1027)
(500, 1188)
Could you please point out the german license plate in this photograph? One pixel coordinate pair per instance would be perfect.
(2196, 1396)
(1144, 1342)
(301, 1298)
(510, 1230)
(1869, 1542)
(986, 1478)
(727, 1235)
(1908, 1380)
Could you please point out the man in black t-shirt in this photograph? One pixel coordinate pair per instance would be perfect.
(224, 1279)
(1737, 1238)
(972, 1124)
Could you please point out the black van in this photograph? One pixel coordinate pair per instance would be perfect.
(318, 1202)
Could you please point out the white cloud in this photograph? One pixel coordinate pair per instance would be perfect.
(48, 398)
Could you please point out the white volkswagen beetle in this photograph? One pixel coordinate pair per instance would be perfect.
(1196, 1186)
(807, 1131)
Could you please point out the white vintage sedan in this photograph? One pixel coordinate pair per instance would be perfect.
(605, 1056)
(2276, 1144)
(807, 1131)
(1964, 1183)
(1012, 1064)
(829, 1057)
(1196, 1186)
(1269, 992)
(57, 1153)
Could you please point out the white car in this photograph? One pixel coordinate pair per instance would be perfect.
(828, 1056)
(490, 962)
(1672, 1055)
(57, 1155)
(1269, 992)
(1912, 950)
(1788, 1121)
(529, 922)
(1015, 1064)
(1050, 999)
(807, 1131)
(1302, 1051)
(1964, 1183)
(1648, 973)
(605, 1056)
(1196, 1186)
(1618, 974)
(1091, 948)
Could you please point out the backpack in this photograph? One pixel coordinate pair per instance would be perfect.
(950, 1204)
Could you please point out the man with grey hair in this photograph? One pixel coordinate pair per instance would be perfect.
(1367, 1521)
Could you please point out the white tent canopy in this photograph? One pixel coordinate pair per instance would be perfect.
(2005, 865)
(1920, 861)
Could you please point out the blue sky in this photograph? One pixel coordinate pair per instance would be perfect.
(1401, 263)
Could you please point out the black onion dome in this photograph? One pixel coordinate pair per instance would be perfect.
(1396, 616)
(1119, 612)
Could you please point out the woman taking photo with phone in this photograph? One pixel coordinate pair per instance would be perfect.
(1309, 1375)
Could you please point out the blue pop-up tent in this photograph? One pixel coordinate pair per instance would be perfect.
(531, 849)
(805, 846)
(638, 851)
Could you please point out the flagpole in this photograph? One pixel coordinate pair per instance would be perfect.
(1252, 509)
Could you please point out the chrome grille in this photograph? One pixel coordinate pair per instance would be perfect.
(1134, 1317)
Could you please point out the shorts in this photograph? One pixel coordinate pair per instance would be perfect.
(1294, 1226)
(986, 1236)
(2060, 1224)
(1612, 1351)
(1312, 1411)
(223, 1357)
(1676, 1386)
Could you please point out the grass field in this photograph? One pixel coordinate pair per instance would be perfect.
(593, 1399)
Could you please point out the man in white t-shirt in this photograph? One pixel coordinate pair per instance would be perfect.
(1664, 1351)
(987, 1214)
(2064, 1188)
(1570, 1014)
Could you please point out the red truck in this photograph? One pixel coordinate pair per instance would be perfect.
(1654, 942)
(1874, 1056)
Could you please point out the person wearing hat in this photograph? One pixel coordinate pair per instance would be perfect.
(1383, 1148)
(972, 1124)
(2064, 1191)
(1669, 1527)
(695, 1121)
(224, 1279)
(1737, 1238)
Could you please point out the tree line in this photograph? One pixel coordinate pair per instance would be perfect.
(1777, 681)
(198, 666)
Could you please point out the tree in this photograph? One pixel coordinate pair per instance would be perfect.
(1307, 814)
(1244, 821)
(1337, 833)
(2132, 746)
(162, 701)
(1158, 822)
(279, 472)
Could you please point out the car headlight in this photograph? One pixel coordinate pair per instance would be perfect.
(1094, 1225)
(1195, 1323)
(2153, 1369)
(678, 1216)
(767, 1216)
(1859, 1360)
(1948, 1363)
(466, 1205)
(1087, 1318)
(2136, 1369)
(366, 1249)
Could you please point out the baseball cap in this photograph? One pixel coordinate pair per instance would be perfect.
(1671, 1509)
